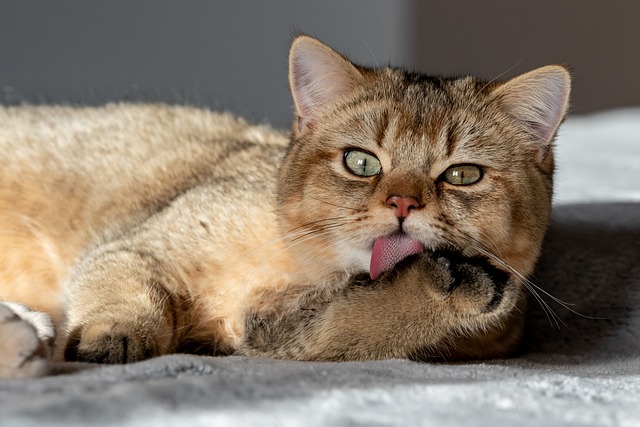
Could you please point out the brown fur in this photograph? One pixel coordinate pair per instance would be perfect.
(162, 229)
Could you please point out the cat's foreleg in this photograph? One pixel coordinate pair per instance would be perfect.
(118, 308)
(429, 307)
(26, 341)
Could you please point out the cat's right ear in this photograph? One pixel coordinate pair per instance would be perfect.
(539, 100)
(318, 76)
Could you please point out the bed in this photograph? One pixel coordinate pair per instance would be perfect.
(582, 369)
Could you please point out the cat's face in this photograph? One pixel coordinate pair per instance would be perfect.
(445, 163)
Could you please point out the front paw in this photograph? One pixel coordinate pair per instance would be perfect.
(22, 352)
(112, 342)
(469, 285)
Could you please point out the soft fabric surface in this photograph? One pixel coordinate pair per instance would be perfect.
(598, 157)
(583, 371)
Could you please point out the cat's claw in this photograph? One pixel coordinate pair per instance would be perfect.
(23, 351)
(444, 261)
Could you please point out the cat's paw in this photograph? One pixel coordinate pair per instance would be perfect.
(111, 342)
(471, 284)
(26, 340)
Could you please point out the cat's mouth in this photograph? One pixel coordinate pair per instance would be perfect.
(389, 250)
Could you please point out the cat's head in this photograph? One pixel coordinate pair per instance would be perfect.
(444, 162)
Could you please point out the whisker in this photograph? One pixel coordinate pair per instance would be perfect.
(498, 76)
(326, 246)
(308, 236)
(551, 314)
(532, 287)
(286, 237)
(493, 243)
(337, 206)
(553, 317)
(368, 47)
(319, 221)
(323, 228)
(301, 236)
(564, 304)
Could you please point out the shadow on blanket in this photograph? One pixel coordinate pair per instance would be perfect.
(591, 260)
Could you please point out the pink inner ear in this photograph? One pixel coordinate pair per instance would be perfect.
(539, 99)
(318, 77)
(550, 107)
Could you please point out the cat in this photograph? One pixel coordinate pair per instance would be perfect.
(398, 219)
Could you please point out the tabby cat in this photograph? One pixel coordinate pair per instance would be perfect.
(400, 218)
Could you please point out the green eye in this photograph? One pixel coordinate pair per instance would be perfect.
(361, 163)
(462, 175)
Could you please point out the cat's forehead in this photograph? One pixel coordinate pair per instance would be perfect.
(437, 137)
(417, 116)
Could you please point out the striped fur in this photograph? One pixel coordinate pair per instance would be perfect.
(149, 229)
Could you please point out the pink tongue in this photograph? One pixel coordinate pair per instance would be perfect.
(390, 250)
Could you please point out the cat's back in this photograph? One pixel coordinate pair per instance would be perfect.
(117, 136)
(137, 151)
(71, 175)
(107, 163)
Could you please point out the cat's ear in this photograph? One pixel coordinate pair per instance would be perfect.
(539, 99)
(318, 76)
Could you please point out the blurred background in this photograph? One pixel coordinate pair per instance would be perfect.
(232, 55)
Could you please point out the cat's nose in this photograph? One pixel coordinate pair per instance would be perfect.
(402, 205)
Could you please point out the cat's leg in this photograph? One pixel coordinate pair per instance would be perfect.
(26, 341)
(428, 308)
(119, 307)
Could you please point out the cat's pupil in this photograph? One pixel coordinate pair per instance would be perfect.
(362, 164)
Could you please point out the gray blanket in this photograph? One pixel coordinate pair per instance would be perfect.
(583, 370)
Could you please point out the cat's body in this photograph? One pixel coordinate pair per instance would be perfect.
(163, 229)
(177, 196)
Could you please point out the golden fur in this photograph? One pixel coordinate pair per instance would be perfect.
(149, 229)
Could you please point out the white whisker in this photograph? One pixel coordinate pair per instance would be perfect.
(326, 246)
(529, 285)
(303, 234)
(487, 84)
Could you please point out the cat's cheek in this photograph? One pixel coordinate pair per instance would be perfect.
(352, 257)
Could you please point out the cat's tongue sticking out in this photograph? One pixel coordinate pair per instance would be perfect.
(390, 250)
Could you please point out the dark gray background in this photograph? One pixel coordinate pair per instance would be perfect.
(232, 54)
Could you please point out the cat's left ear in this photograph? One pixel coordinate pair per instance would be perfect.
(539, 99)
(318, 76)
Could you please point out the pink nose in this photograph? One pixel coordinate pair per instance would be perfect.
(402, 204)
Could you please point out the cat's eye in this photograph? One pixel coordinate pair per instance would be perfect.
(361, 163)
(462, 174)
